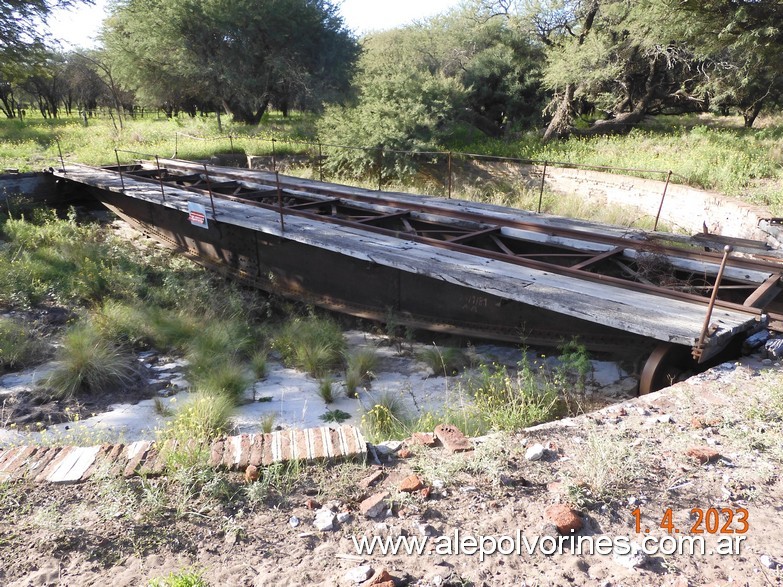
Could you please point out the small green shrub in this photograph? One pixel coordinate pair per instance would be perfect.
(268, 423)
(509, 401)
(387, 418)
(313, 344)
(353, 379)
(575, 363)
(18, 347)
(90, 363)
(446, 361)
(326, 389)
(335, 416)
(258, 362)
(224, 377)
(363, 361)
(185, 578)
(203, 417)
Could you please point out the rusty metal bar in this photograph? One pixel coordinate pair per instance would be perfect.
(231, 142)
(119, 169)
(541, 191)
(699, 348)
(274, 158)
(280, 202)
(209, 187)
(663, 197)
(160, 178)
(176, 144)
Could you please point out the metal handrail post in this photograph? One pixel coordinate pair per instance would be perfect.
(160, 178)
(663, 197)
(119, 169)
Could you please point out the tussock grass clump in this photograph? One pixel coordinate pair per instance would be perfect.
(88, 362)
(511, 401)
(446, 361)
(227, 378)
(203, 417)
(387, 418)
(326, 390)
(258, 362)
(18, 347)
(359, 369)
(313, 344)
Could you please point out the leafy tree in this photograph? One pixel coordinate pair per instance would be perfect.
(239, 54)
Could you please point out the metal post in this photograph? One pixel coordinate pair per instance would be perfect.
(176, 144)
(280, 202)
(274, 156)
(119, 168)
(320, 162)
(231, 142)
(62, 163)
(380, 168)
(663, 197)
(209, 187)
(698, 350)
(160, 178)
(450, 180)
(541, 191)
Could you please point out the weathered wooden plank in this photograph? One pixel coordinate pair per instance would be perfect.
(638, 312)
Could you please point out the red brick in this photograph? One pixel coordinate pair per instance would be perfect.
(35, 464)
(371, 479)
(21, 467)
(53, 464)
(381, 578)
(133, 462)
(451, 438)
(319, 445)
(100, 460)
(216, 453)
(302, 445)
(566, 519)
(257, 450)
(286, 446)
(245, 444)
(411, 483)
(424, 439)
(251, 474)
(703, 454)
(338, 449)
(266, 456)
(230, 448)
(374, 505)
(8, 454)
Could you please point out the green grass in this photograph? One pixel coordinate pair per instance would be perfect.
(185, 578)
(326, 390)
(387, 418)
(88, 362)
(19, 347)
(226, 378)
(203, 417)
(312, 344)
(443, 361)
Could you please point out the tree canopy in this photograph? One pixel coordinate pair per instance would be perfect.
(241, 55)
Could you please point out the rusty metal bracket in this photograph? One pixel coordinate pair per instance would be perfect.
(699, 348)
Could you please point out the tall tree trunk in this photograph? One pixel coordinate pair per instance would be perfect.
(560, 125)
(750, 114)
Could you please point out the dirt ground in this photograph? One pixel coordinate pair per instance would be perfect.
(603, 466)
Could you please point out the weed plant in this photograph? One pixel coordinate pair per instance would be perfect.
(446, 361)
(203, 417)
(326, 390)
(184, 578)
(88, 362)
(315, 345)
(386, 418)
(19, 348)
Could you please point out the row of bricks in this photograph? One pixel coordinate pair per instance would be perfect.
(72, 464)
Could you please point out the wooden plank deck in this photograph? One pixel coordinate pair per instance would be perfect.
(646, 314)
